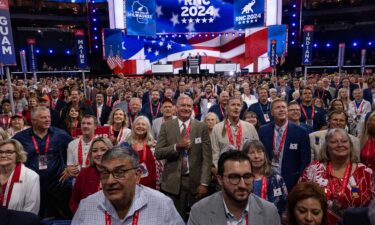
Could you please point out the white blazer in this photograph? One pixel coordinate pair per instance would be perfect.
(26, 193)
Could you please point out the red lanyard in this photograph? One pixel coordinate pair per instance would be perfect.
(131, 119)
(14, 178)
(360, 106)
(6, 121)
(221, 110)
(108, 101)
(80, 154)
(108, 220)
(209, 98)
(120, 134)
(238, 137)
(263, 192)
(152, 111)
(305, 114)
(74, 129)
(187, 134)
(344, 182)
(144, 149)
(37, 147)
(281, 146)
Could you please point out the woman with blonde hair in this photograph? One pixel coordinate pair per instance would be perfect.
(142, 141)
(347, 183)
(20, 187)
(343, 95)
(118, 120)
(88, 180)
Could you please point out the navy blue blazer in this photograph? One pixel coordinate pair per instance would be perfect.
(367, 95)
(296, 153)
(216, 109)
(260, 110)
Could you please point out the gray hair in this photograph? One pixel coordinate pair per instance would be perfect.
(183, 96)
(36, 110)
(149, 137)
(122, 152)
(324, 155)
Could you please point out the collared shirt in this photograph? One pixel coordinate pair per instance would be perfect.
(154, 208)
(99, 109)
(231, 220)
(72, 158)
(59, 140)
(277, 165)
(187, 122)
(221, 144)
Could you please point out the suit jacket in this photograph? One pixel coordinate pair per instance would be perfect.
(367, 95)
(26, 193)
(211, 211)
(200, 156)
(113, 99)
(296, 152)
(317, 140)
(286, 89)
(105, 113)
(90, 95)
(351, 89)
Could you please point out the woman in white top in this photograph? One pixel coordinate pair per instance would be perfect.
(20, 188)
(247, 97)
(118, 121)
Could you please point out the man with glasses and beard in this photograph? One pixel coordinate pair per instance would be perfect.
(235, 204)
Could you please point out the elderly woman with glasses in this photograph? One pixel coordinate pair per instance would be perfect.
(19, 185)
(88, 180)
(267, 184)
(346, 182)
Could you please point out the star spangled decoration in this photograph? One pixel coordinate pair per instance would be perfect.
(191, 20)
(211, 20)
(169, 46)
(197, 20)
(190, 27)
(149, 50)
(183, 20)
(174, 19)
(161, 43)
(216, 12)
(204, 20)
(156, 53)
(158, 11)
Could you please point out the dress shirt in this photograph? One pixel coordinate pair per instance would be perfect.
(154, 208)
(277, 165)
(231, 220)
(72, 158)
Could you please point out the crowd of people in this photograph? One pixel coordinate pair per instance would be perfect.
(196, 150)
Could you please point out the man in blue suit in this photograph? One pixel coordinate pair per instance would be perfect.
(287, 144)
(368, 92)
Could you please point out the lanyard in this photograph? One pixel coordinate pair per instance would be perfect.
(119, 136)
(14, 177)
(73, 132)
(80, 154)
(344, 182)
(281, 146)
(360, 106)
(152, 110)
(221, 110)
(263, 192)
(187, 134)
(305, 113)
(209, 98)
(261, 109)
(108, 220)
(37, 147)
(131, 119)
(6, 121)
(238, 136)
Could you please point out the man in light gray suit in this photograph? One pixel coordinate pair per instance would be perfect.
(235, 204)
(184, 144)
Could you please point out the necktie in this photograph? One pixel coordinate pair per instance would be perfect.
(185, 154)
(108, 101)
(278, 139)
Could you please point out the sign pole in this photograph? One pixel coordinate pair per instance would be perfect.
(305, 74)
(10, 88)
(84, 82)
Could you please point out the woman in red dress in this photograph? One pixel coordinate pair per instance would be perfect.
(141, 140)
(368, 142)
(346, 182)
(88, 180)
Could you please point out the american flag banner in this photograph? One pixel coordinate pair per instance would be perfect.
(118, 60)
(111, 62)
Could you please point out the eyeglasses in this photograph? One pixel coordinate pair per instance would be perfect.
(7, 153)
(235, 179)
(117, 174)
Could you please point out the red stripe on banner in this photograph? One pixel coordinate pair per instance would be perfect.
(4, 4)
(257, 42)
(207, 48)
(232, 44)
